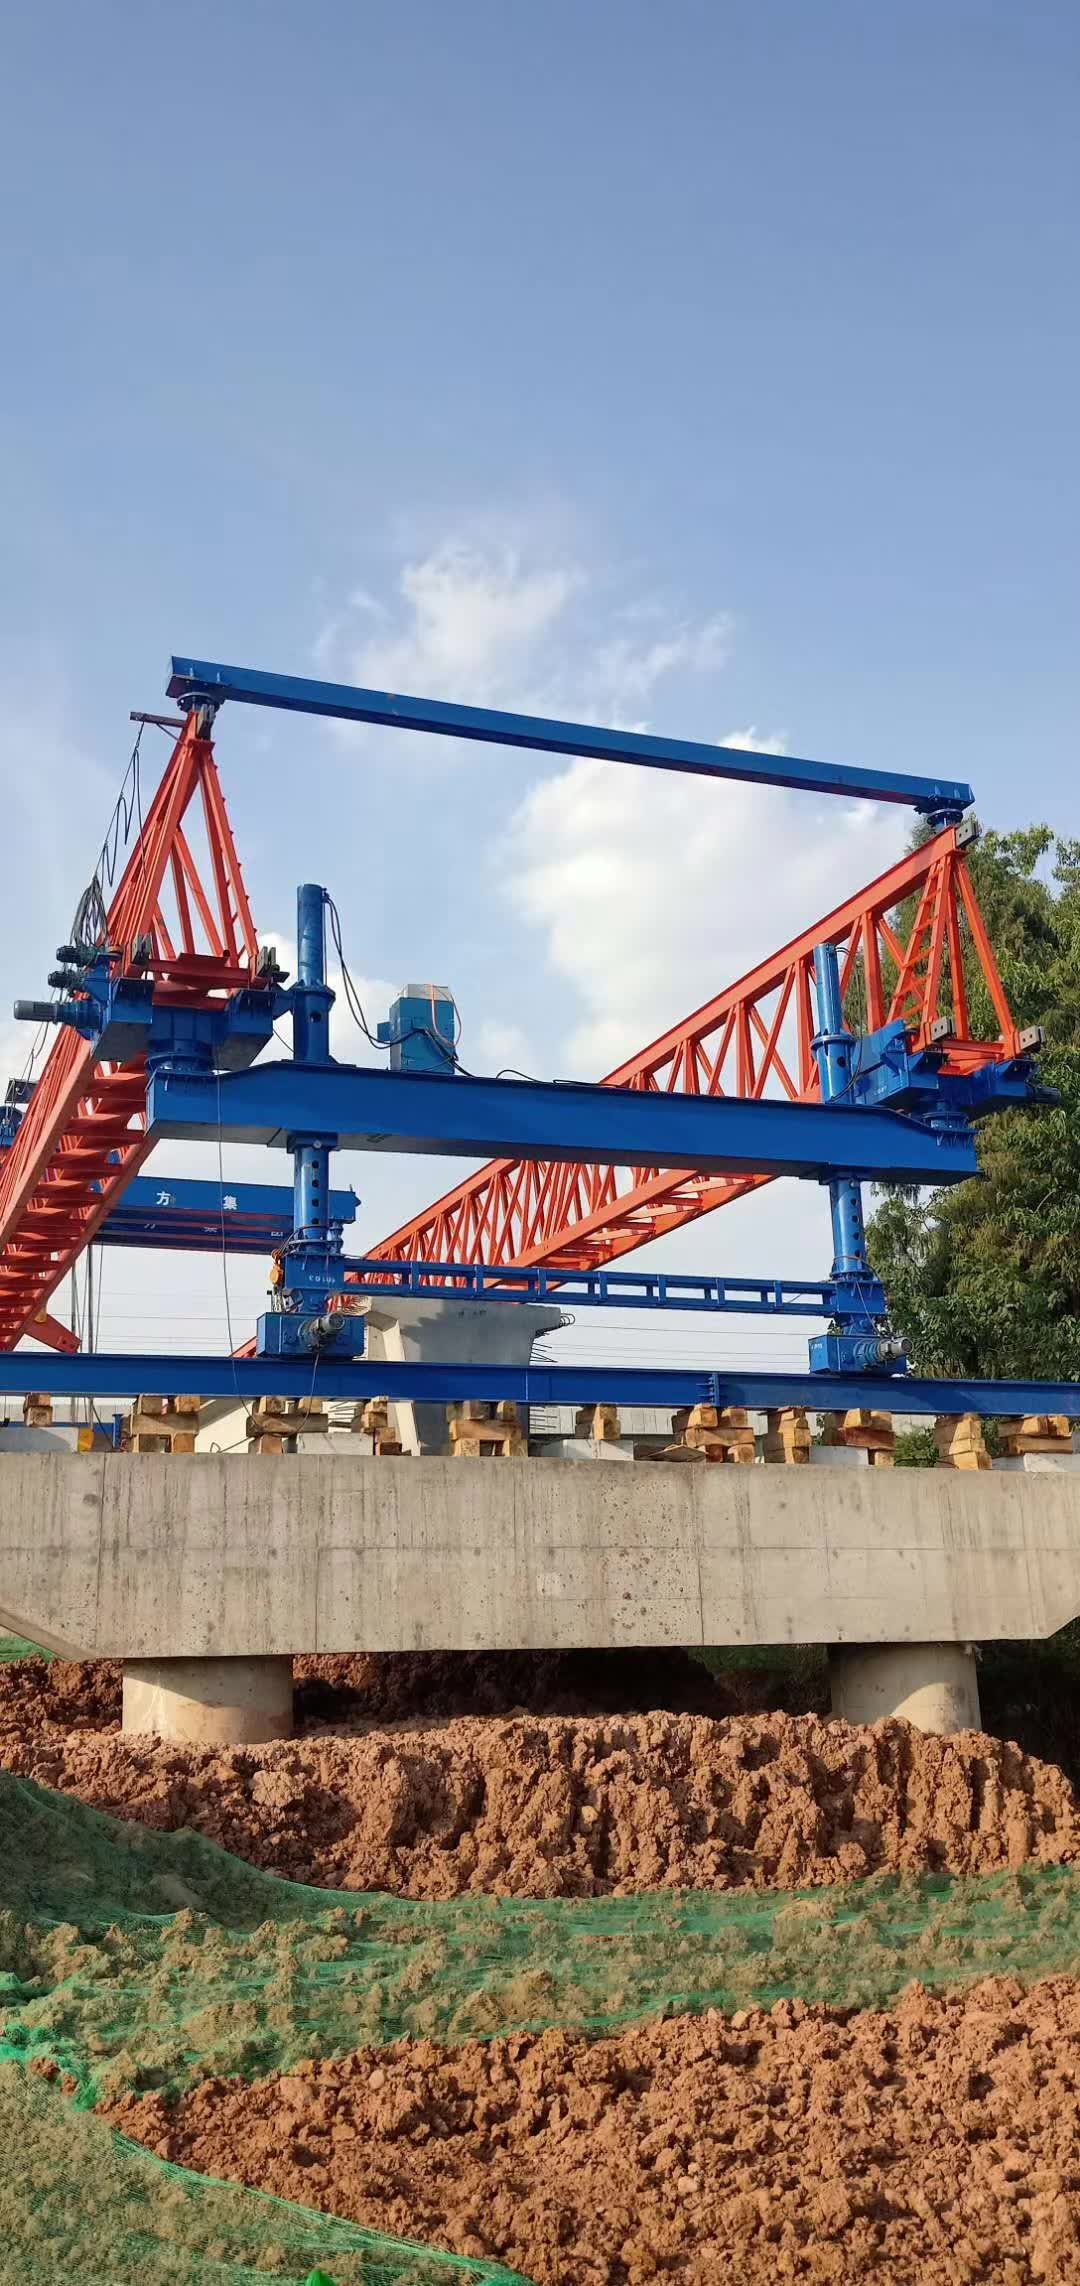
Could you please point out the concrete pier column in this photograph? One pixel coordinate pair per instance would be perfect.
(934, 1686)
(210, 1702)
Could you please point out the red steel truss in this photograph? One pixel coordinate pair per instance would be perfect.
(83, 1134)
(752, 1040)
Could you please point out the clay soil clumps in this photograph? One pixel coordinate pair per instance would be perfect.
(532, 1806)
(939, 2143)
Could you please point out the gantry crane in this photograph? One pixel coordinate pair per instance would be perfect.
(164, 1018)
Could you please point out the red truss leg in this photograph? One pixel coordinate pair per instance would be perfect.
(752, 1040)
(83, 1134)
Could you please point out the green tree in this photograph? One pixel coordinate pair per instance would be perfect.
(985, 1278)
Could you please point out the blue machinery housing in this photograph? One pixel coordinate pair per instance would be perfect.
(192, 1217)
(888, 1114)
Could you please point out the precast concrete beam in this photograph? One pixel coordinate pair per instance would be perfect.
(145, 1557)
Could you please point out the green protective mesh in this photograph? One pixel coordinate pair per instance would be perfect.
(142, 1960)
(133, 1959)
(16, 1647)
(83, 2207)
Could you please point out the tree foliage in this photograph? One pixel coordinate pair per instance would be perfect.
(985, 1278)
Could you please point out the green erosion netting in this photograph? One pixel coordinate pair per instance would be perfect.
(16, 1647)
(83, 2207)
(133, 1959)
(143, 1960)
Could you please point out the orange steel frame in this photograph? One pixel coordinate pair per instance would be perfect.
(83, 1135)
(751, 1040)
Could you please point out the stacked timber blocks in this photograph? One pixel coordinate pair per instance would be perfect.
(787, 1436)
(706, 1433)
(598, 1424)
(486, 1432)
(373, 1420)
(162, 1425)
(37, 1411)
(863, 1432)
(960, 1441)
(1036, 1433)
(274, 1423)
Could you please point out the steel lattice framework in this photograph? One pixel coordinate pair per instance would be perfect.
(182, 918)
(752, 1040)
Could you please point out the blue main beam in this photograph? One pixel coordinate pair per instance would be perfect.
(592, 1289)
(296, 694)
(360, 1110)
(194, 1217)
(246, 1378)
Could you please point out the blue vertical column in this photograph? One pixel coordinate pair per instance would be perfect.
(855, 1341)
(833, 1046)
(312, 1001)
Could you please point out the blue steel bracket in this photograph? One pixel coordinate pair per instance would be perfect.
(99, 1374)
(365, 1110)
(119, 1017)
(208, 682)
(886, 1070)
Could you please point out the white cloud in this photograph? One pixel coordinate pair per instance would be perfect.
(631, 672)
(468, 620)
(653, 891)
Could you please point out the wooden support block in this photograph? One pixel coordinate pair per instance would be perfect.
(860, 1430)
(787, 1436)
(719, 1434)
(1036, 1433)
(960, 1441)
(37, 1411)
(287, 1417)
(388, 1448)
(144, 1441)
(188, 1405)
(670, 1453)
(468, 1409)
(269, 1444)
(487, 1440)
(182, 1441)
(599, 1424)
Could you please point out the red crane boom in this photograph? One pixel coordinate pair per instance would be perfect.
(83, 1134)
(751, 1040)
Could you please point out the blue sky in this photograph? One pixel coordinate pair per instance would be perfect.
(709, 366)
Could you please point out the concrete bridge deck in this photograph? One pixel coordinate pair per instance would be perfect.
(154, 1560)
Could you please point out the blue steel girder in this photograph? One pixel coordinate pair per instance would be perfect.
(196, 1217)
(354, 1109)
(193, 679)
(379, 1280)
(245, 1378)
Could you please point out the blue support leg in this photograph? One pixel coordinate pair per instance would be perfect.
(855, 1342)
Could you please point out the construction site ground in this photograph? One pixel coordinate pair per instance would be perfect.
(580, 1970)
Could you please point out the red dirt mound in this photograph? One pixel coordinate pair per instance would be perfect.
(551, 1807)
(939, 2143)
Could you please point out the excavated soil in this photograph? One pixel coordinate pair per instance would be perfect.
(937, 2143)
(532, 1806)
(348, 1690)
